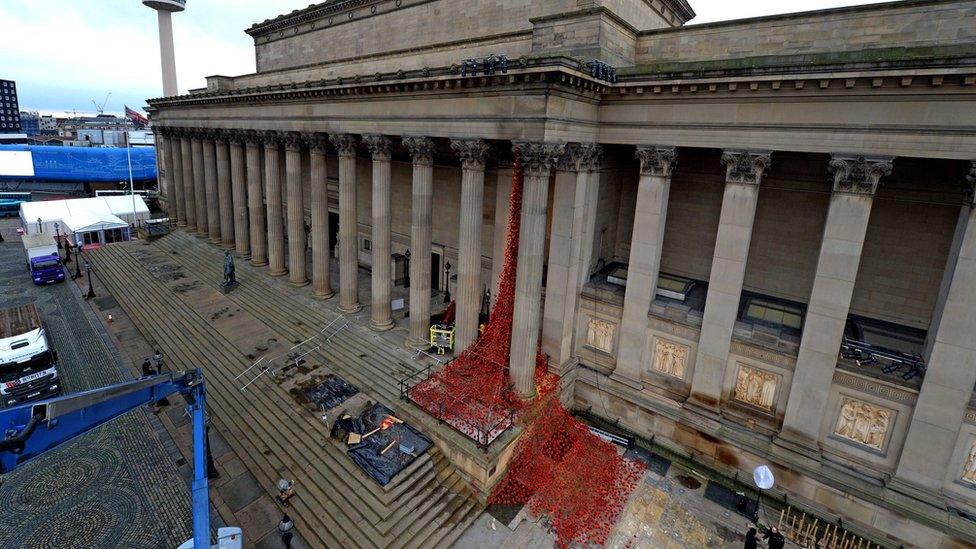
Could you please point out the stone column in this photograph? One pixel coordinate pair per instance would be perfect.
(321, 255)
(175, 169)
(538, 158)
(647, 239)
(743, 174)
(209, 141)
(565, 250)
(422, 151)
(855, 181)
(199, 185)
(272, 195)
(472, 154)
(348, 224)
(189, 195)
(224, 191)
(951, 374)
(503, 197)
(381, 316)
(242, 238)
(296, 210)
(164, 170)
(255, 200)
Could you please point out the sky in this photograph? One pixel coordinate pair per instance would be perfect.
(68, 54)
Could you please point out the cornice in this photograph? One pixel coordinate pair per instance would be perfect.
(571, 73)
(333, 12)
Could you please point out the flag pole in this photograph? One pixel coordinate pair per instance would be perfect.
(132, 190)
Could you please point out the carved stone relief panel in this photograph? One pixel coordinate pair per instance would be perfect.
(863, 423)
(756, 387)
(670, 358)
(600, 334)
(969, 468)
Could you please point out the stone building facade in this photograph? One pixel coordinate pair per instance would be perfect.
(754, 240)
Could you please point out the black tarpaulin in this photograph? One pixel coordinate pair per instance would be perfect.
(383, 467)
(332, 392)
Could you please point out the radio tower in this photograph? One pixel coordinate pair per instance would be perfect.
(164, 9)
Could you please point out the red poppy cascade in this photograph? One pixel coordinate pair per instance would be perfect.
(559, 469)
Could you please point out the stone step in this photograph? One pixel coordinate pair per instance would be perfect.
(404, 510)
(401, 503)
(391, 487)
(301, 321)
(221, 388)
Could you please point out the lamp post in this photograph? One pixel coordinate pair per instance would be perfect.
(57, 235)
(406, 282)
(91, 289)
(447, 282)
(40, 225)
(77, 274)
(763, 477)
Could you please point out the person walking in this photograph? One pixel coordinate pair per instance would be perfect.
(776, 539)
(751, 541)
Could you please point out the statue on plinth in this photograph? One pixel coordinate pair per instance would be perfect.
(230, 276)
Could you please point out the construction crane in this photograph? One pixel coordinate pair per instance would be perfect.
(31, 429)
(101, 109)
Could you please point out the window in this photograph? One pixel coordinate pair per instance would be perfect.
(773, 313)
(367, 244)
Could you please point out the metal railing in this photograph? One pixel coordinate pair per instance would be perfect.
(865, 354)
(266, 365)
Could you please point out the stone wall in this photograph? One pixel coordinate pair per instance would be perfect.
(912, 222)
(363, 32)
(906, 24)
(693, 211)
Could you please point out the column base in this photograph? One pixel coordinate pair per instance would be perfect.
(259, 262)
(298, 283)
(228, 246)
(243, 256)
(383, 326)
(417, 344)
(350, 309)
(328, 294)
(797, 447)
(278, 272)
(635, 384)
(917, 492)
(181, 224)
(215, 241)
(706, 407)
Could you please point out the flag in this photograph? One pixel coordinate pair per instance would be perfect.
(135, 117)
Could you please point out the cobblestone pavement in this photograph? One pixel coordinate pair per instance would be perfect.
(116, 486)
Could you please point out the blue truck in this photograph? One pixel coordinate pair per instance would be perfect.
(43, 259)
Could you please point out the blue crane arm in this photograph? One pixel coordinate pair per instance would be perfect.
(31, 429)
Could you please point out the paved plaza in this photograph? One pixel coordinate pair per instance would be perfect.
(116, 486)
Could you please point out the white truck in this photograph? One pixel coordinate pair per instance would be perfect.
(28, 365)
(43, 259)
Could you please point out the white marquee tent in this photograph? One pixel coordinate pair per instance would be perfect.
(41, 216)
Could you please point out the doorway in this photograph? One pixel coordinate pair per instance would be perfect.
(333, 229)
(435, 270)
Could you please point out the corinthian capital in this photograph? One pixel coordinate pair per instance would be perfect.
(421, 149)
(657, 160)
(271, 138)
(292, 141)
(317, 142)
(345, 142)
(578, 157)
(472, 153)
(745, 167)
(538, 157)
(378, 145)
(859, 174)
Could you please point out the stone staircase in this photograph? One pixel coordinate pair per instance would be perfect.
(160, 287)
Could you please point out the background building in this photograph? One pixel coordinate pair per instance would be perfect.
(752, 241)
